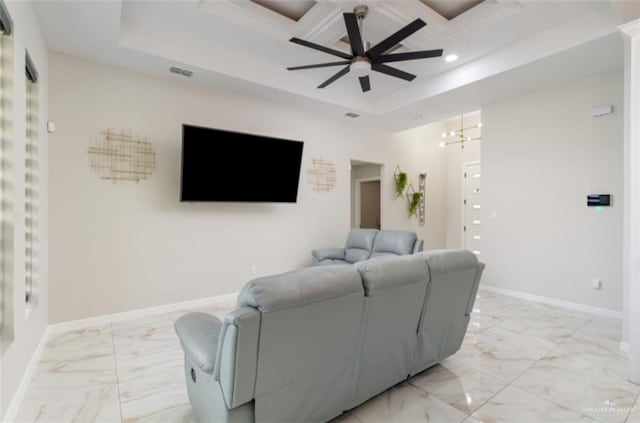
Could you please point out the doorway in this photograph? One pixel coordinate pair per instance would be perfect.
(366, 195)
(472, 207)
(368, 192)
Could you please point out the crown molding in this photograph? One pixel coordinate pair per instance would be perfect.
(631, 29)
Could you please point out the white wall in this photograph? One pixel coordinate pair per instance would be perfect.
(443, 227)
(456, 159)
(27, 332)
(118, 247)
(425, 156)
(542, 153)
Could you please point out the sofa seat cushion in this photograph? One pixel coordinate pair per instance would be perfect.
(329, 262)
(199, 334)
(393, 242)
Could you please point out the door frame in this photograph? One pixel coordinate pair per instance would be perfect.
(359, 182)
(463, 215)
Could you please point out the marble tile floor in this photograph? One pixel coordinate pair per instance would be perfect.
(520, 362)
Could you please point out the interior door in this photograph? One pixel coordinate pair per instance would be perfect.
(370, 204)
(472, 204)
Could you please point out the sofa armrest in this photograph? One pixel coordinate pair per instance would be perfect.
(199, 334)
(237, 356)
(328, 253)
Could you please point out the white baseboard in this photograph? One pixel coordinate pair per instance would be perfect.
(136, 314)
(554, 302)
(624, 347)
(12, 411)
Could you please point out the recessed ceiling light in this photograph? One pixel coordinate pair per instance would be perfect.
(451, 58)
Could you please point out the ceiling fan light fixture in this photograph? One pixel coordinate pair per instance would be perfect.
(361, 67)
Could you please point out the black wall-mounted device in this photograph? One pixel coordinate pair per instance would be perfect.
(595, 200)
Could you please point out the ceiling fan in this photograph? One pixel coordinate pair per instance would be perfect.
(362, 62)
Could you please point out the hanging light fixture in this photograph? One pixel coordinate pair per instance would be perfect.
(460, 136)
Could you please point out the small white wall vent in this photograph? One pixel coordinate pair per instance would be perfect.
(602, 110)
(180, 71)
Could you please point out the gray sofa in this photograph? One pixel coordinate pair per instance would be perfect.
(307, 345)
(363, 244)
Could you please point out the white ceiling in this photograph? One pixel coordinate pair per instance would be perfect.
(504, 47)
(290, 9)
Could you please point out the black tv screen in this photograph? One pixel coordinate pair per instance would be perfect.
(220, 165)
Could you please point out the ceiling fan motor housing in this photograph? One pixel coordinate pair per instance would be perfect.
(361, 11)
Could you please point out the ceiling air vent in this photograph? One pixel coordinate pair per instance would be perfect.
(180, 71)
(352, 115)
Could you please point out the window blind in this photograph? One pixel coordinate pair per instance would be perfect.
(6, 24)
(6, 172)
(32, 182)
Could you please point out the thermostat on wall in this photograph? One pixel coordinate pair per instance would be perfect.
(598, 200)
(602, 110)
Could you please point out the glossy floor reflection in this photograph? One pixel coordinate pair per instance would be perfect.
(520, 362)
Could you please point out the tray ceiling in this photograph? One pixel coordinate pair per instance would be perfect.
(223, 41)
(293, 10)
(451, 9)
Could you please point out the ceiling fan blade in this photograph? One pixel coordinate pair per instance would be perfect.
(321, 48)
(353, 31)
(388, 70)
(320, 65)
(365, 84)
(412, 55)
(394, 39)
(343, 72)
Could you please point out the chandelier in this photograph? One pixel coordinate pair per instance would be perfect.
(460, 136)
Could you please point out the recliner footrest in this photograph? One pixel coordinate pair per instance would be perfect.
(199, 334)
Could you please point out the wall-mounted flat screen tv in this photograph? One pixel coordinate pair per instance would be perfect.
(220, 165)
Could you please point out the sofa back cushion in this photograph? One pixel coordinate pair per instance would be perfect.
(359, 244)
(393, 243)
(299, 288)
(395, 287)
(309, 327)
(453, 283)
